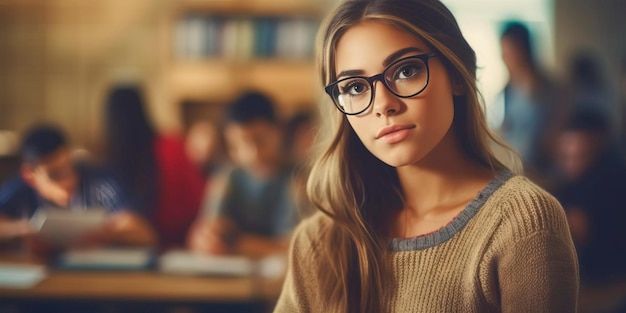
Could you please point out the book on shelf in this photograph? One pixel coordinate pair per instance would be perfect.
(190, 37)
(296, 38)
(265, 38)
(235, 40)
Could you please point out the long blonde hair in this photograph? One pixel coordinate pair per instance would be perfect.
(357, 191)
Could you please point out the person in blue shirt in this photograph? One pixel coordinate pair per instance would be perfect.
(533, 101)
(49, 178)
(250, 208)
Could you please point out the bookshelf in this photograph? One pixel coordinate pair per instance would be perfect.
(259, 7)
(244, 37)
(220, 48)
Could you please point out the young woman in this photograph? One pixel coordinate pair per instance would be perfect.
(417, 213)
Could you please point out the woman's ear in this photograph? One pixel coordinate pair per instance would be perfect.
(457, 85)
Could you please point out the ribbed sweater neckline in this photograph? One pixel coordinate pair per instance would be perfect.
(457, 224)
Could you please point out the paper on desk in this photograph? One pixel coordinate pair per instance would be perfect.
(64, 227)
(273, 266)
(189, 263)
(21, 275)
(110, 258)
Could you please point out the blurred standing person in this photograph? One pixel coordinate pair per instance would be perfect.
(531, 100)
(251, 209)
(153, 168)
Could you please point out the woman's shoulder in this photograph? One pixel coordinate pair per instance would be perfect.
(310, 230)
(314, 224)
(521, 191)
(526, 206)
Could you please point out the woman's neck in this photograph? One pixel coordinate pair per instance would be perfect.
(438, 187)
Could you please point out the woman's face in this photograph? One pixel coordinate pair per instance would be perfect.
(398, 131)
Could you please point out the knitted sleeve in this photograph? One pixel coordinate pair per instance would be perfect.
(536, 267)
(300, 291)
(539, 274)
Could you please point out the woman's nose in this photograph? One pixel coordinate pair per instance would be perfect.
(385, 102)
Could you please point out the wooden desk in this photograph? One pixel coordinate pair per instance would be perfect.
(137, 285)
(148, 288)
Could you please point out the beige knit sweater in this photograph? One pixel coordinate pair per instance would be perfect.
(508, 251)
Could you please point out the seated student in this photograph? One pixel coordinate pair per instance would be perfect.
(591, 189)
(300, 132)
(251, 210)
(203, 147)
(48, 178)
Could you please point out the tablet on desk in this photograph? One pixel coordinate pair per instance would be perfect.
(64, 227)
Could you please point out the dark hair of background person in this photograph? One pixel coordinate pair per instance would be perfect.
(41, 141)
(250, 106)
(586, 71)
(588, 121)
(519, 33)
(130, 145)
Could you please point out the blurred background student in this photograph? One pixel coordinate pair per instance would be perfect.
(251, 208)
(588, 89)
(49, 178)
(590, 183)
(300, 131)
(591, 188)
(622, 103)
(203, 146)
(153, 168)
(532, 104)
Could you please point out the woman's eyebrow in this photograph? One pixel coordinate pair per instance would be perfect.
(394, 56)
(350, 73)
(388, 60)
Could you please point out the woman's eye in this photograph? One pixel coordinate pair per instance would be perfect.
(354, 88)
(408, 71)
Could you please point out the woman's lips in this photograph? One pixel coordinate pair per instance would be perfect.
(394, 133)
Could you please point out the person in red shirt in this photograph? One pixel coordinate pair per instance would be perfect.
(153, 168)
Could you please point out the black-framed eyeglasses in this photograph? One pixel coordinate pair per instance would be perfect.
(405, 78)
